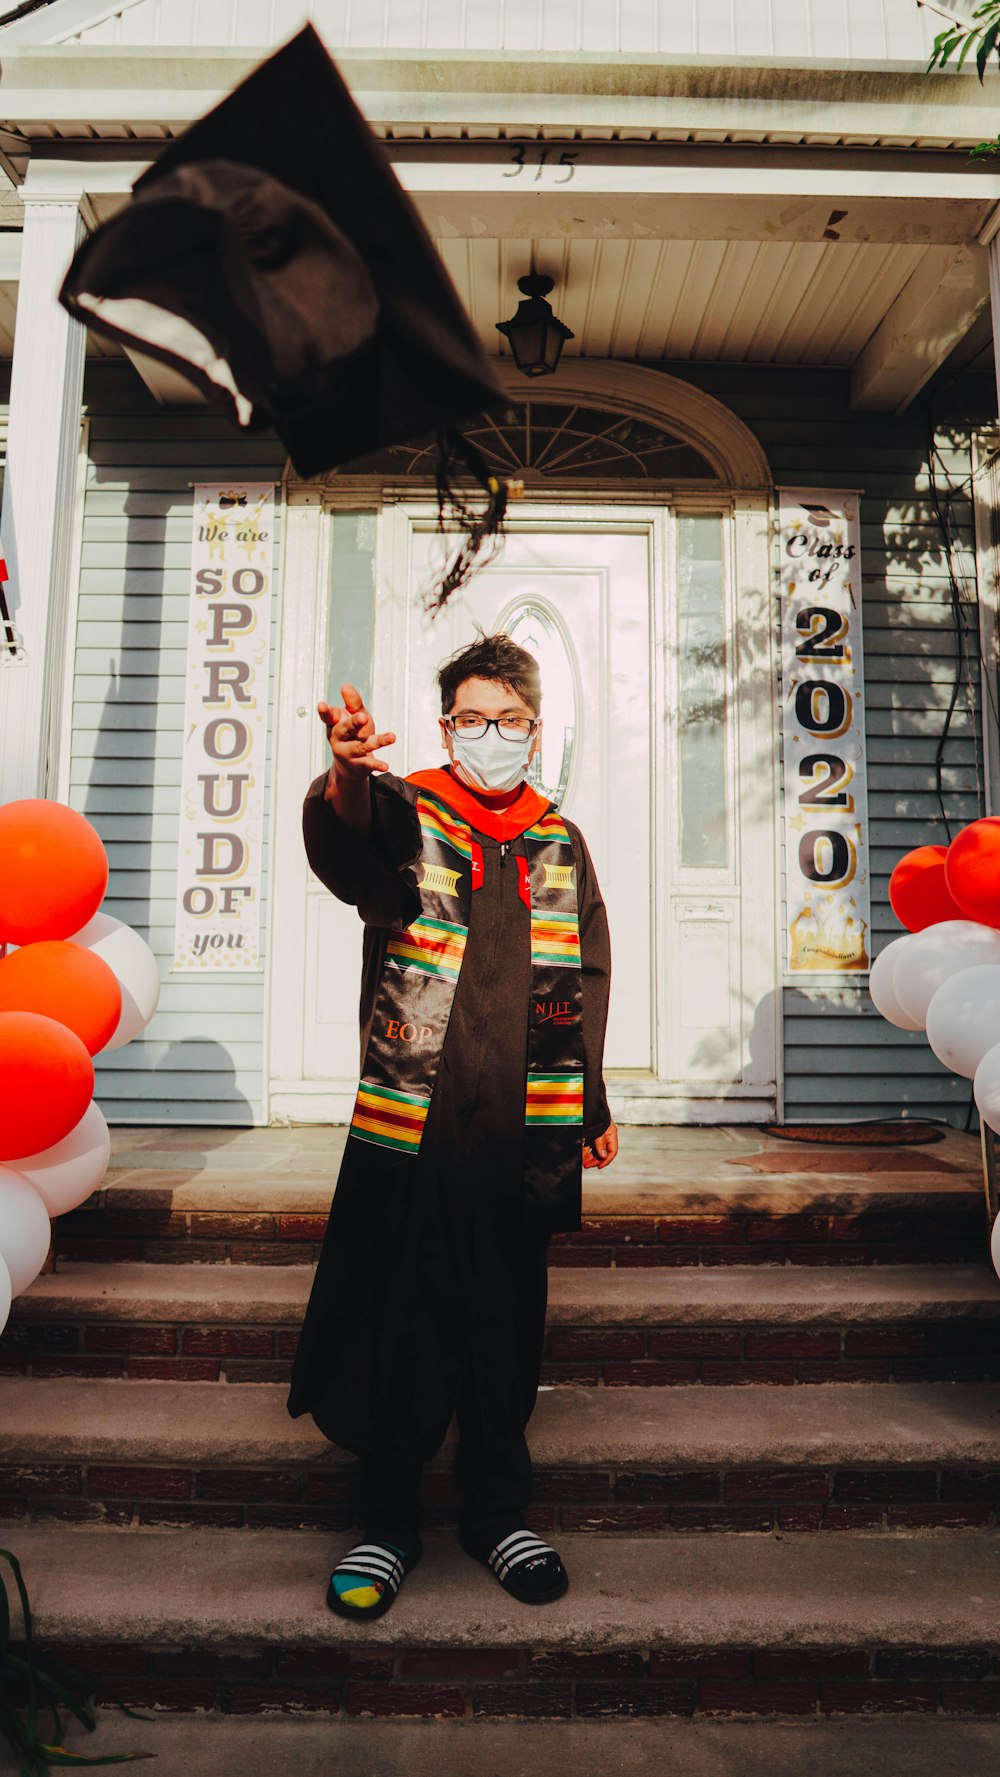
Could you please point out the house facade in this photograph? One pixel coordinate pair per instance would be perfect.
(755, 548)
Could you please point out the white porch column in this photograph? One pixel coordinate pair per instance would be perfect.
(36, 524)
(993, 248)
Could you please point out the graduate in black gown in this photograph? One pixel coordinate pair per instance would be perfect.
(483, 1008)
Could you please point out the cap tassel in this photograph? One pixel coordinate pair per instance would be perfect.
(482, 524)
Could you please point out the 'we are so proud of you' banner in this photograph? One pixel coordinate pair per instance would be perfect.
(225, 729)
(828, 916)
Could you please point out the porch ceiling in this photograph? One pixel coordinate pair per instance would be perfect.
(742, 302)
(869, 263)
(737, 302)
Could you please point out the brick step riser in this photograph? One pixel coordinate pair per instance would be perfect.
(905, 1237)
(599, 1500)
(529, 1682)
(956, 1350)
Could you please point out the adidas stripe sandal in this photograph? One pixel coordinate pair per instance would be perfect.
(365, 1583)
(526, 1567)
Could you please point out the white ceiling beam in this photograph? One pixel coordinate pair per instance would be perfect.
(174, 86)
(490, 195)
(932, 313)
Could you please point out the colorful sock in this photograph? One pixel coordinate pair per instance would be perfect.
(366, 1573)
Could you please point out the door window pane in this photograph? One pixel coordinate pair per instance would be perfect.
(352, 604)
(702, 675)
(532, 625)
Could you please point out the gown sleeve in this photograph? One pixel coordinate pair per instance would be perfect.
(595, 956)
(372, 873)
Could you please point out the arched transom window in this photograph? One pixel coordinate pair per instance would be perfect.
(550, 441)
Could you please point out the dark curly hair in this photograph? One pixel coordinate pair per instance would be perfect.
(492, 657)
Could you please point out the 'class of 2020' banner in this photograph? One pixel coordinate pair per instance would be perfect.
(225, 729)
(828, 915)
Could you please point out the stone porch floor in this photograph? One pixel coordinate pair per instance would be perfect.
(659, 1170)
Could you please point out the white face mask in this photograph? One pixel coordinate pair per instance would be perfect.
(490, 763)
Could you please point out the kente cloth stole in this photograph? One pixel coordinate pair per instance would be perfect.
(417, 990)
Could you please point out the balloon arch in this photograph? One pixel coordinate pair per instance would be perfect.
(943, 976)
(73, 982)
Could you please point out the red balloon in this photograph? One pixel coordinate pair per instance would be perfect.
(55, 871)
(66, 982)
(918, 891)
(972, 871)
(46, 1083)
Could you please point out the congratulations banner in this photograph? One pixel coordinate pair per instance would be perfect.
(225, 729)
(826, 794)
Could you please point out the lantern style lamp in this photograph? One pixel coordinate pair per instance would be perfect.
(535, 334)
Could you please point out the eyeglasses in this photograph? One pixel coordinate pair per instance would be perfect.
(512, 728)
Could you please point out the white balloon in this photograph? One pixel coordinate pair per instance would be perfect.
(130, 958)
(880, 984)
(5, 1295)
(986, 1088)
(963, 1018)
(935, 954)
(65, 1174)
(994, 1247)
(24, 1229)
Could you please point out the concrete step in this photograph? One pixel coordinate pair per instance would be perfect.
(218, 1745)
(720, 1325)
(630, 1461)
(673, 1197)
(674, 1626)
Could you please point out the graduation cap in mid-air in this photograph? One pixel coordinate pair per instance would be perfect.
(272, 257)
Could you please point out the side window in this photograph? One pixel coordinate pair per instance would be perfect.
(702, 692)
(351, 619)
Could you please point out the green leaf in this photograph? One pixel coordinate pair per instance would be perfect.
(56, 1688)
(22, 1592)
(986, 49)
(58, 1755)
(944, 45)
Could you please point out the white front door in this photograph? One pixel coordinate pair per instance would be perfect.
(578, 597)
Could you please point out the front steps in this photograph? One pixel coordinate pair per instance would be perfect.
(617, 1328)
(625, 1461)
(748, 1345)
(673, 1198)
(313, 1746)
(666, 1626)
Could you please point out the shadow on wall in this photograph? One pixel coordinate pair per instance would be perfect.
(195, 1060)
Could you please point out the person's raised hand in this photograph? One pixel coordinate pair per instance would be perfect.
(354, 743)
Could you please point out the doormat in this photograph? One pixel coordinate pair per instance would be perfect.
(904, 1133)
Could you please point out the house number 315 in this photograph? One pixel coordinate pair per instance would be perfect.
(525, 160)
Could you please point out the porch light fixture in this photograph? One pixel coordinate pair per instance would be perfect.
(535, 334)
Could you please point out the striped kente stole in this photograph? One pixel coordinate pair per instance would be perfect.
(554, 1089)
(417, 990)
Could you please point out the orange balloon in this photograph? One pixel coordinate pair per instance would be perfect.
(46, 1083)
(918, 892)
(972, 871)
(66, 982)
(54, 874)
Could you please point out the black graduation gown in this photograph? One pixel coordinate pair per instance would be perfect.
(432, 1266)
